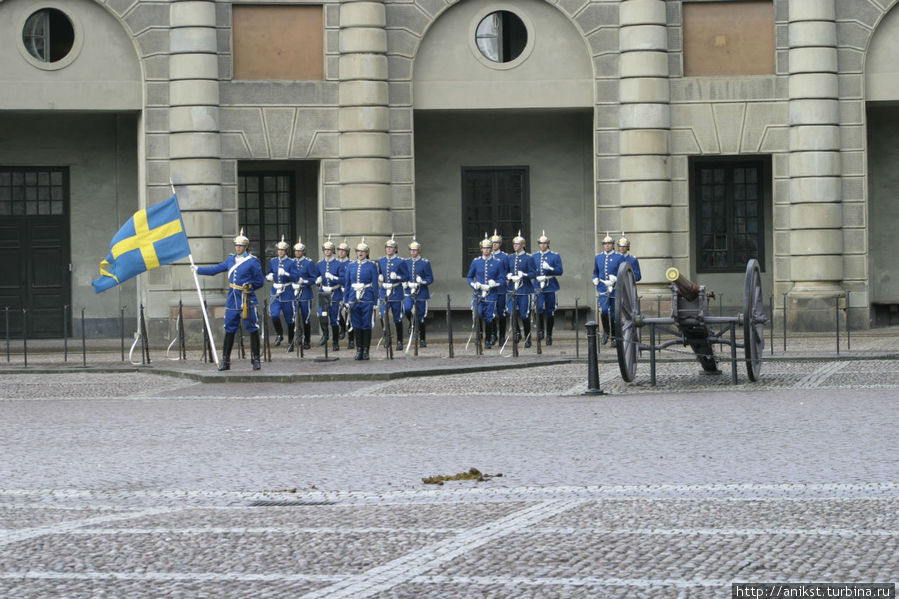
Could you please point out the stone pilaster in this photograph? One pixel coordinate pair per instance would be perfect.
(816, 219)
(364, 122)
(645, 122)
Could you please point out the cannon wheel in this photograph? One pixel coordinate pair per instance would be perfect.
(627, 309)
(753, 320)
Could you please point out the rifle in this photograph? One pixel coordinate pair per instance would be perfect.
(536, 315)
(413, 331)
(324, 313)
(385, 327)
(298, 329)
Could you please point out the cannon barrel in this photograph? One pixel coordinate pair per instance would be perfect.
(685, 288)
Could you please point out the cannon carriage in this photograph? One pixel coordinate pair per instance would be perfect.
(690, 324)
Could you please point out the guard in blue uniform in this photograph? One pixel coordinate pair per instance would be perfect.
(393, 275)
(485, 276)
(624, 246)
(331, 272)
(520, 289)
(308, 272)
(605, 273)
(244, 278)
(361, 285)
(420, 276)
(502, 311)
(343, 253)
(549, 266)
(282, 272)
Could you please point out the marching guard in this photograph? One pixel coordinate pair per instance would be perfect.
(393, 276)
(303, 287)
(494, 336)
(549, 266)
(485, 276)
(244, 278)
(624, 246)
(331, 273)
(343, 253)
(282, 272)
(361, 282)
(521, 271)
(417, 294)
(605, 274)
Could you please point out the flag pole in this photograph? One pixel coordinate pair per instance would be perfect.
(203, 309)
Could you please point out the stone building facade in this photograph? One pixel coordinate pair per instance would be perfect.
(707, 131)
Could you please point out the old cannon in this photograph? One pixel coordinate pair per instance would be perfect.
(692, 324)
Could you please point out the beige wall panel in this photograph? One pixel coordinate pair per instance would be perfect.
(359, 145)
(194, 145)
(364, 118)
(193, 92)
(362, 14)
(363, 93)
(643, 37)
(193, 118)
(812, 33)
(811, 10)
(729, 119)
(363, 66)
(361, 196)
(815, 189)
(203, 224)
(644, 64)
(642, 116)
(808, 243)
(644, 141)
(644, 89)
(816, 216)
(814, 85)
(364, 222)
(364, 40)
(193, 14)
(640, 12)
(816, 268)
(278, 41)
(364, 170)
(814, 112)
(728, 38)
(196, 170)
(645, 193)
(646, 218)
(881, 66)
(813, 60)
(815, 137)
(812, 164)
(200, 197)
(638, 168)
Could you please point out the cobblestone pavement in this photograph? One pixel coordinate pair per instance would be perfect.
(133, 484)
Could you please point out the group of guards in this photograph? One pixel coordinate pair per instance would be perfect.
(352, 292)
(348, 293)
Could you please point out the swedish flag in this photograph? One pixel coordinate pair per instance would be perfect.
(149, 239)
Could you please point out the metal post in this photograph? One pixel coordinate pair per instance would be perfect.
(720, 305)
(65, 333)
(848, 335)
(449, 325)
(659, 306)
(266, 346)
(652, 354)
(182, 349)
(83, 341)
(25, 334)
(577, 332)
(836, 311)
(593, 387)
(733, 351)
(771, 310)
(122, 329)
(785, 323)
(6, 310)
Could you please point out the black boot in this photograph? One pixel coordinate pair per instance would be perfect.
(550, 321)
(502, 330)
(254, 350)
(399, 336)
(351, 340)
(541, 326)
(604, 318)
(358, 335)
(366, 343)
(421, 335)
(306, 334)
(290, 338)
(343, 330)
(489, 331)
(527, 334)
(225, 363)
(278, 331)
(335, 336)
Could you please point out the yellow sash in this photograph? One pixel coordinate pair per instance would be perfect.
(246, 294)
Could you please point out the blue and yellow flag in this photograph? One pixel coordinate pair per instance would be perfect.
(150, 238)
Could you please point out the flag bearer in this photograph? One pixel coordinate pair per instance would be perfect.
(244, 277)
(361, 284)
(420, 276)
(303, 287)
(549, 265)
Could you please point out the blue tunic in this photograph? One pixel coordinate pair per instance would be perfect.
(332, 273)
(418, 268)
(282, 287)
(549, 265)
(606, 264)
(520, 264)
(362, 298)
(481, 272)
(393, 275)
(242, 270)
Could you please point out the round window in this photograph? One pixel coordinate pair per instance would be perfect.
(48, 35)
(501, 36)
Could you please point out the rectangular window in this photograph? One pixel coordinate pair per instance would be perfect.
(493, 198)
(728, 201)
(278, 42)
(266, 210)
(728, 38)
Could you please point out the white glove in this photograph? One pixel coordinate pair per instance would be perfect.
(326, 289)
(547, 266)
(418, 279)
(281, 271)
(515, 278)
(521, 273)
(358, 286)
(492, 283)
(295, 286)
(413, 287)
(541, 278)
(380, 278)
(595, 281)
(278, 286)
(475, 285)
(330, 276)
(394, 276)
(270, 276)
(613, 279)
(318, 281)
(303, 281)
(194, 267)
(387, 286)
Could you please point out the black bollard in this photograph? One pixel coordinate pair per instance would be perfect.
(25, 334)
(83, 342)
(577, 331)
(836, 312)
(65, 333)
(449, 325)
(593, 387)
(771, 310)
(122, 329)
(785, 323)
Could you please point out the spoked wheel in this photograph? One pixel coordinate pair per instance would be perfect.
(627, 312)
(753, 320)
